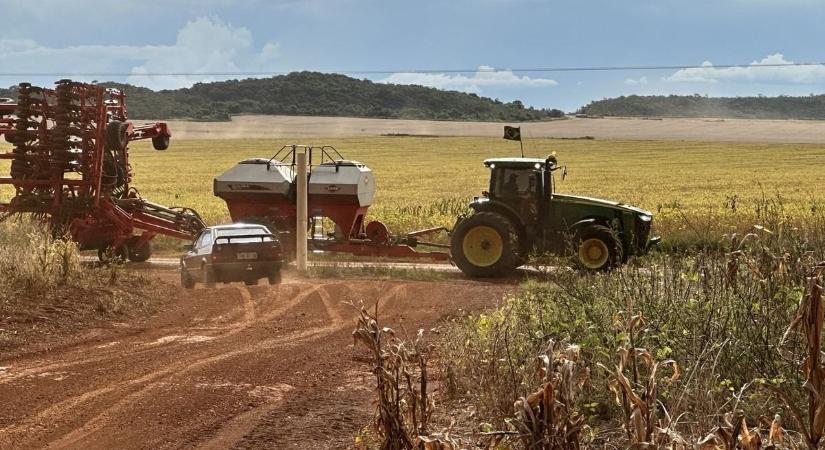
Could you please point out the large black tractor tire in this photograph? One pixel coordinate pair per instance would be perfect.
(598, 249)
(117, 135)
(485, 245)
(160, 142)
(138, 254)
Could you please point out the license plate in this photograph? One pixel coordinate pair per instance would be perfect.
(247, 255)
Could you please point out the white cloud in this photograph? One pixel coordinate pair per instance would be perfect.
(811, 74)
(486, 76)
(636, 82)
(202, 45)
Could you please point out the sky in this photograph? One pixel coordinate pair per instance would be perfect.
(488, 39)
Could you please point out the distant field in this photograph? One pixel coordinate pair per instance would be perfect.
(426, 181)
(707, 130)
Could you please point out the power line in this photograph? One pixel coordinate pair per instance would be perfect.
(412, 71)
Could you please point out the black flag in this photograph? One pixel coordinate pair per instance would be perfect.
(512, 133)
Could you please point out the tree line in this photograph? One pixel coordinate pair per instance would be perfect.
(760, 107)
(317, 94)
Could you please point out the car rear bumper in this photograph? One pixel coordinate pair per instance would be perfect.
(240, 271)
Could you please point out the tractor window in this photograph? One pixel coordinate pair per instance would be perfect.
(515, 183)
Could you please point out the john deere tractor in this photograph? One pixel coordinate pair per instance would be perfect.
(521, 215)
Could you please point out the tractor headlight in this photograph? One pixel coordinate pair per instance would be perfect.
(645, 218)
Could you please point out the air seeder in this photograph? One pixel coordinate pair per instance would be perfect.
(340, 191)
(70, 166)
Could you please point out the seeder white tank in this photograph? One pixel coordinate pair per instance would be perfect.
(255, 176)
(342, 182)
(338, 182)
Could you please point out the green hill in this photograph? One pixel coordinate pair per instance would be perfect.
(317, 94)
(783, 107)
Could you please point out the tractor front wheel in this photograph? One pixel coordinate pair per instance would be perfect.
(597, 249)
(484, 245)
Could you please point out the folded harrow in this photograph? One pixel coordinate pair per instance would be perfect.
(70, 166)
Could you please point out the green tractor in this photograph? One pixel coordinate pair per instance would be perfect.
(521, 216)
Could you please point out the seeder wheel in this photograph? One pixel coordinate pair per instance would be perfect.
(378, 232)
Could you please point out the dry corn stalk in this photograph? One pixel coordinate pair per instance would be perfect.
(404, 407)
(809, 321)
(548, 419)
(639, 398)
(735, 434)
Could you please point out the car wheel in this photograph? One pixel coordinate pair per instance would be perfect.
(208, 276)
(274, 277)
(186, 280)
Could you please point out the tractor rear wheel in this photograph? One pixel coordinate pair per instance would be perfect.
(485, 245)
(597, 248)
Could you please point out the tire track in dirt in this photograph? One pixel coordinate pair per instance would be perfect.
(158, 379)
(270, 358)
(116, 351)
(60, 409)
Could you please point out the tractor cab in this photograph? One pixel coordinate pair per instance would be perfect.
(523, 183)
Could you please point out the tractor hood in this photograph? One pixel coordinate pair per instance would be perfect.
(590, 201)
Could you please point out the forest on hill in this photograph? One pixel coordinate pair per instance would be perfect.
(318, 94)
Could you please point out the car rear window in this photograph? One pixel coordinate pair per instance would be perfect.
(252, 231)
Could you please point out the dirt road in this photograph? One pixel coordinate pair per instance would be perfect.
(234, 367)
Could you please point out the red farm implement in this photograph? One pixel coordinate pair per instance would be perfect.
(70, 166)
(339, 192)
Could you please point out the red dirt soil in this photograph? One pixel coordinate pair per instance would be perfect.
(235, 367)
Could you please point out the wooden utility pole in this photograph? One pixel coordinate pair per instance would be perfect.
(301, 204)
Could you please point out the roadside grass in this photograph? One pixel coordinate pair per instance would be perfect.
(45, 289)
(698, 191)
(724, 317)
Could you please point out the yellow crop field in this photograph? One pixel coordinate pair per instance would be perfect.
(425, 181)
